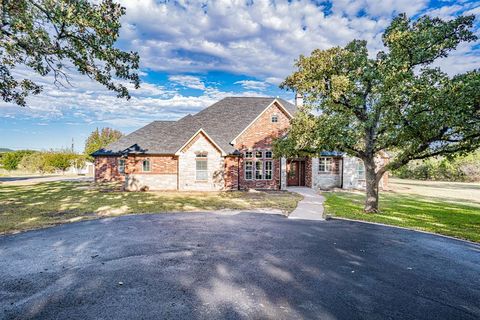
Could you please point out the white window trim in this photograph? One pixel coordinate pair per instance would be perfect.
(274, 116)
(149, 165)
(325, 164)
(197, 159)
(120, 166)
(254, 159)
(261, 170)
(360, 176)
(252, 170)
(265, 169)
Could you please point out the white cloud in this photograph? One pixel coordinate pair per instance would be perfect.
(188, 81)
(89, 102)
(252, 85)
(260, 40)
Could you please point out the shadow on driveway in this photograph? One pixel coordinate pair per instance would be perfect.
(206, 266)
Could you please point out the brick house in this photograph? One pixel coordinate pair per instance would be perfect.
(227, 146)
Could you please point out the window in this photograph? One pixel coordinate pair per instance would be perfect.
(121, 165)
(248, 170)
(258, 170)
(360, 169)
(146, 165)
(268, 170)
(325, 164)
(201, 167)
(274, 118)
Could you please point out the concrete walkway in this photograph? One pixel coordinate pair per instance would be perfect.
(311, 207)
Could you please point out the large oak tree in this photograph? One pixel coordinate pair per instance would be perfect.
(51, 36)
(397, 101)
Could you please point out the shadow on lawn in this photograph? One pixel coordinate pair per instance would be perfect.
(438, 184)
(27, 207)
(440, 215)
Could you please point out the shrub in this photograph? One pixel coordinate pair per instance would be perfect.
(11, 160)
(461, 168)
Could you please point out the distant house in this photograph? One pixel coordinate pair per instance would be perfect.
(227, 146)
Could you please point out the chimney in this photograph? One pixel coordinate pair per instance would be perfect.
(298, 100)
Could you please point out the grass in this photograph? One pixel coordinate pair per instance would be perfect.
(448, 216)
(24, 207)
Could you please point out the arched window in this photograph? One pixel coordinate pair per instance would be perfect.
(146, 165)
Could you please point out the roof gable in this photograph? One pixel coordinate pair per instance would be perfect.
(224, 121)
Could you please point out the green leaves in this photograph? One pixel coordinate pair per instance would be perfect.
(49, 35)
(395, 101)
(100, 139)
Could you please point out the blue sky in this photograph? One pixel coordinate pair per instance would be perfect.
(193, 53)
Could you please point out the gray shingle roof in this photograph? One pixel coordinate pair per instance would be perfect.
(222, 121)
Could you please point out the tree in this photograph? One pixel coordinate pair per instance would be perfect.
(60, 160)
(11, 160)
(100, 139)
(36, 162)
(50, 36)
(395, 101)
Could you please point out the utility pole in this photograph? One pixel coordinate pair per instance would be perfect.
(72, 146)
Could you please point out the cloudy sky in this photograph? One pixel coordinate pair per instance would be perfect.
(193, 53)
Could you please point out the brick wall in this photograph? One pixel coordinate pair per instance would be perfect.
(308, 172)
(231, 173)
(259, 136)
(159, 164)
(106, 169)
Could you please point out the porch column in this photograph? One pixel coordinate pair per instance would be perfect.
(283, 173)
(315, 173)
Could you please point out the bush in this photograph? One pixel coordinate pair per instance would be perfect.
(36, 162)
(461, 168)
(11, 160)
(51, 161)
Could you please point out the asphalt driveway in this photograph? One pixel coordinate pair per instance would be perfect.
(195, 265)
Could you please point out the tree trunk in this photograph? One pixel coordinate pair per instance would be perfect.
(371, 202)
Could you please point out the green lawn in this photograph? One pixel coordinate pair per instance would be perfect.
(36, 205)
(453, 217)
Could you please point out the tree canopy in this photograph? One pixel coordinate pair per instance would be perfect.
(52, 36)
(397, 100)
(100, 139)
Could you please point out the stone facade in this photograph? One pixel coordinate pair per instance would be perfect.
(187, 166)
(326, 180)
(138, 182)
(227, 172)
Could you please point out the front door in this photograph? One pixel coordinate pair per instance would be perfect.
(292, 173)
(295, 173)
